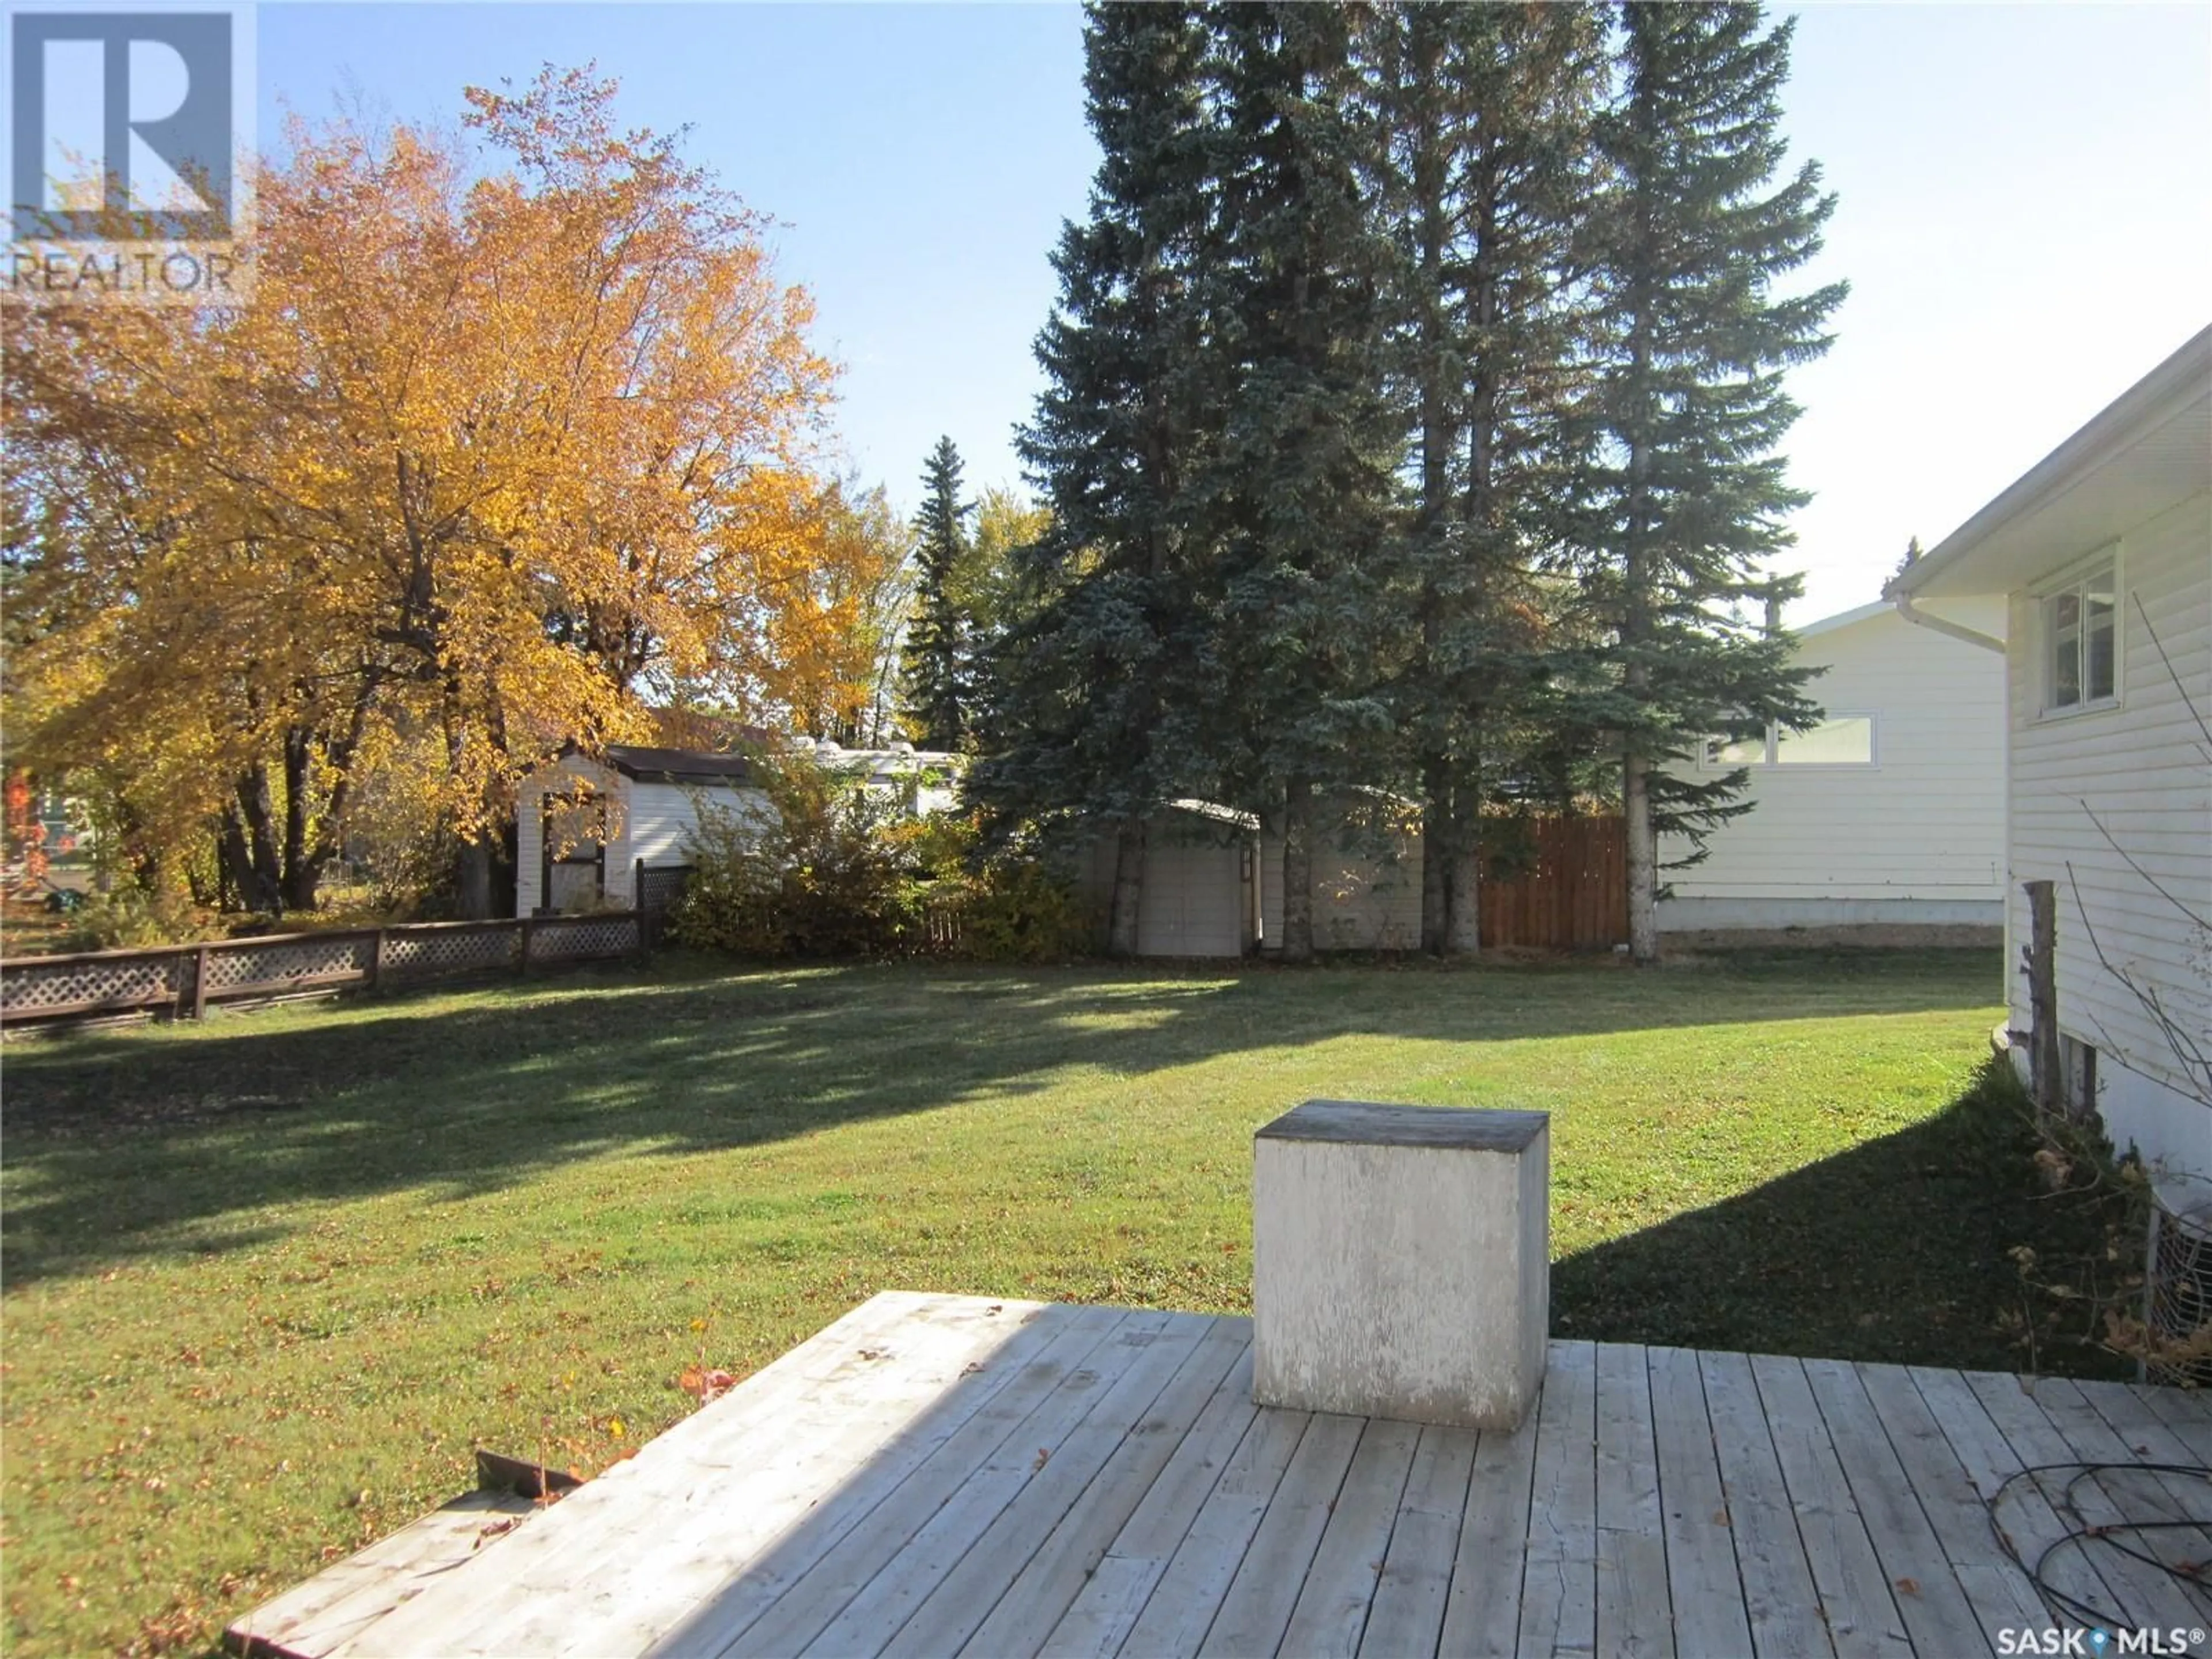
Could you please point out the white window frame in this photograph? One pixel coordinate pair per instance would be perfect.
(1770, 759)
(2075, 579)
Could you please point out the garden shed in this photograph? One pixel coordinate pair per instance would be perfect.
(584, 826)
(1200, 896)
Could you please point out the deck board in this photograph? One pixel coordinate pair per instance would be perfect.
(1703, 1582)
(1633, 1598)
(935, 1475)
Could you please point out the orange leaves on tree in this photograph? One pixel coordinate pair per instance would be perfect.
(499, 453)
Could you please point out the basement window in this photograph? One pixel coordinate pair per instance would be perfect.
(2081, 634)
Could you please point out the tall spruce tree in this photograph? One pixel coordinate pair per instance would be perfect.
(1486, 114)
(1294, 495)
(936, 668)
(1098, 700)
(1685, 492)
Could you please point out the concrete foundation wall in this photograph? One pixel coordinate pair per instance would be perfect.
(1679, 916)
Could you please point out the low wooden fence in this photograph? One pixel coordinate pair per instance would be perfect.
(1572, 896)
(183, 980)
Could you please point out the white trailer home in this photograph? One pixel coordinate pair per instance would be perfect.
(1891, 813)
(584, 826)
(2102, 553)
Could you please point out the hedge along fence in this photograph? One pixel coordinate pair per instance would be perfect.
(182, 980)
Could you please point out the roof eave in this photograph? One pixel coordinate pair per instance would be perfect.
(2160, 395)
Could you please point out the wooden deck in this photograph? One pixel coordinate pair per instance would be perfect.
(935, 1476)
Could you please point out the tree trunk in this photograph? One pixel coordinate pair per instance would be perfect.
(303, 868)
(1128, 888)
(1642, 860)
(1437, 440)
(1462, 881)
(1438, 851)
(254, 882)
(1298, 871)
(472, 881)
(257, 864)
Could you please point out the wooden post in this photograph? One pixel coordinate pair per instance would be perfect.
(199, 982)
(376, 960)
(637, 903)
(2042, 970)
(523, 969)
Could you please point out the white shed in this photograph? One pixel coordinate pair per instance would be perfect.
(1199, 897)
(582, 826)
(2102, 554)
(1890, 812)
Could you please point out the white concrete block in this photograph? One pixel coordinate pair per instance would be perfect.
(1401, 1262)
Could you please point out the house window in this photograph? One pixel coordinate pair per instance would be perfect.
(1837, 740)
(1725, 754)
(2081, 632)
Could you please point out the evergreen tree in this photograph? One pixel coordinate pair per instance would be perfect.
(1486, 114)
(1294, 495)
(1685, 492)
(1098, 696)
(936, 666)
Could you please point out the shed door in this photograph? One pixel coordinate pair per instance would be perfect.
(1193, 901)
(572, 873)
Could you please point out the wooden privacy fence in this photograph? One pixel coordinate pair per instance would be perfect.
(1572, 896)
(182, 980)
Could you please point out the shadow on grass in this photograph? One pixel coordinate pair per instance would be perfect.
(1897, 1250)
(117, 1139)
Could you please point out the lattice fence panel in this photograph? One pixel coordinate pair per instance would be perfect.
(32, 986)
(661, 888)
(2180, 1302)
(585, 936)
(242, 970)
(462, 952)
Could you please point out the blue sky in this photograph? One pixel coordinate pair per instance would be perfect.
(2026, 214)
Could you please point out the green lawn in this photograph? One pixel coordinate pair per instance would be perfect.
(268, 1279)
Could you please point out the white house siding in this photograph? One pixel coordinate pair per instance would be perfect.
(1916, 838)
(2139, 768)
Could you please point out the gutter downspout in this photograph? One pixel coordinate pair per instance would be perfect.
(1919, 618)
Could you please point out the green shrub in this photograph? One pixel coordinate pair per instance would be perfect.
(813, 874)
(132, 919)
(831, 868)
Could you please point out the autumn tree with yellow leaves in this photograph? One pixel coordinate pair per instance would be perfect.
(507, 447)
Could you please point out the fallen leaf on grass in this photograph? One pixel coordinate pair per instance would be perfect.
(707, 1385)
